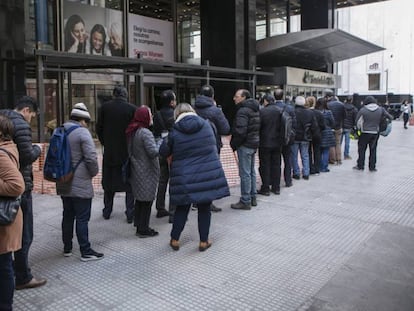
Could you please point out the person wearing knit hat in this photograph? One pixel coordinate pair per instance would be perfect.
(368, 122)
(77, 195)
(80, 112)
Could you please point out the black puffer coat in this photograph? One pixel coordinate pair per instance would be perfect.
(28, 153)
(350, 115)
(246, 125)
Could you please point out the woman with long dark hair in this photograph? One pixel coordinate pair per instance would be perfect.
(98, 41)
(75, 35)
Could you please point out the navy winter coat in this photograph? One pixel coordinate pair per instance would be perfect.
(196, 174)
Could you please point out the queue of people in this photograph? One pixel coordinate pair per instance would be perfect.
(182, 153)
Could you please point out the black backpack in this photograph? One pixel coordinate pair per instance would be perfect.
(287, 131)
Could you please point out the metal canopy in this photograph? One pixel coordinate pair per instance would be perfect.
(73, 62)
(311, 49)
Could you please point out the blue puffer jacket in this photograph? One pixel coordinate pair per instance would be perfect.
(196, 174)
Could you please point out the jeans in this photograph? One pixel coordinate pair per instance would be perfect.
(324, 159)
(303, 148)
(365, 140)
(335, 152)
(346, 134)
(109, 203)
(270, 168)
(247, 174)
(180, 218)
(78, 209)
(21, 257)
(6, 282)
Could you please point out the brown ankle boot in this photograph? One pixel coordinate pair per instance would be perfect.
(175, 244)
(204, 245)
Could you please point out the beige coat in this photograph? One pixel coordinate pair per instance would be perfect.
(11, 184)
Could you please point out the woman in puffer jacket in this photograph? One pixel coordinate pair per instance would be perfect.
(11, 185)
(196, 173)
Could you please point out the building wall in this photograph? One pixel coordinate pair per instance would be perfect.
(388, 24)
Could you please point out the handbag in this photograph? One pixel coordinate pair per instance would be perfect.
(9, 206)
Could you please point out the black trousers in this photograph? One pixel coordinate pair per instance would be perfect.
(314, 157)
(287, 170)
(142, 215)
(364, 141)
(269, 168)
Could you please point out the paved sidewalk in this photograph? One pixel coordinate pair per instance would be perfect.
(343, 240)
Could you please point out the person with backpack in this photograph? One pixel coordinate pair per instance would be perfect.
(315, 144)
(270, 146)
(24, 111)
(287, 147)
(368, 122)
(77, 193)
(206, 107)
(349, 123)
(163, 123)
(113, 119)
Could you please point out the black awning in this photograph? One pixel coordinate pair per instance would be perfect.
(311, 49)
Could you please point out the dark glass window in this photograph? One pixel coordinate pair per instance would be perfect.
(374, 81)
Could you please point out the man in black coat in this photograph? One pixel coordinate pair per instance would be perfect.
(245, 140)
(270, 146)
(286, 149)
(163, 123)
(206, 107)
(21, 116)
(113, 119)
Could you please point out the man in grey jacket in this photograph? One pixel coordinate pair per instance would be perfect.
(78, 193)
(368, 122)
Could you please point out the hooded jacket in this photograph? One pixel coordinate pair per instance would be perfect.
(196, 174)
(11, 184)
(369, 118)
(205, 108)
(81, 146)
(246, 125)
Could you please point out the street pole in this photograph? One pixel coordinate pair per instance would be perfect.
(386, 85)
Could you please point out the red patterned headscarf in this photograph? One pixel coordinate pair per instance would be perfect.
(142, 118)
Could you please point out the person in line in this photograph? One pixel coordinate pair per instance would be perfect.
(327, 133)
(406, 111)
(338, 110)
(113, 119)
(75, 35)
(25, 110)
(270, 146)
(98, 41)
(12, 185)
(315, 144)
(197, 176)
(349, 123)
(306, 127)
(145, 169)
(78, 193)
(245, 140)
(368, 122)
(163, 123)
(206, 107)
(116, 44)
(286, 149)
